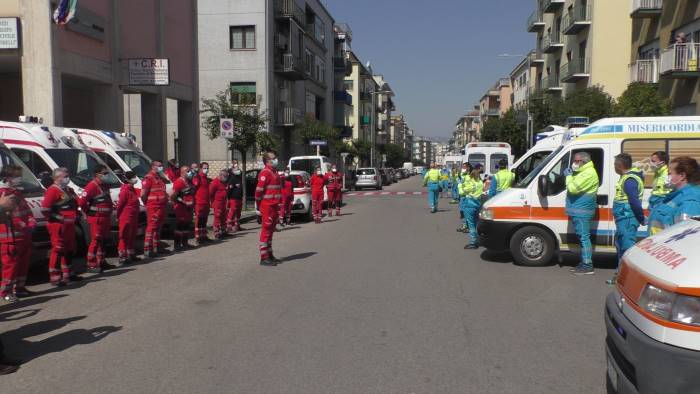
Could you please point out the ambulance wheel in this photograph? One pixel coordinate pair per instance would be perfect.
(532, 247)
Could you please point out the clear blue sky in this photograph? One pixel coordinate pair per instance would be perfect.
(439, 56)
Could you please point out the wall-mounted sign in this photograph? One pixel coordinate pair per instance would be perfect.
(9, 33)
(149, 72)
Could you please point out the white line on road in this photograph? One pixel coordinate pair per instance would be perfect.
(385, 193)
(400, 193)
(368, 194)
(417, 193)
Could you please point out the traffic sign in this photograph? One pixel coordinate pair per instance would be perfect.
(226, 127)
(318, 143)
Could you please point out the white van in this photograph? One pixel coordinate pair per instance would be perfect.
(652, 317)
(43, 149)
(488, 154)
(530, 219)
(554, 137)
(308, 164)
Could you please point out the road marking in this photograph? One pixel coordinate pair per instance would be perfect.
(385, 193)
(417, 193)
(400, 193)
(368, 194)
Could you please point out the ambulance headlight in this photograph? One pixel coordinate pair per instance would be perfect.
(686, 310)
(486, 214)
(657, 301)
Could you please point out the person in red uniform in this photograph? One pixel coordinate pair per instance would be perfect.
(235, 198)
(128, 214)
(317, 184)
(173, 170)
(16, 228)
(60, 207)
(218, 198)
(334, 182)
(182, 197)
(155, 198)
(287, 198)
(201, 203)
(97, 204)
(268, 194)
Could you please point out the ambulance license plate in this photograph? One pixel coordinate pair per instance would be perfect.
(612, 373)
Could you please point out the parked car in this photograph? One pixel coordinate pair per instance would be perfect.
(397, 175)
(302, 192)
(368, 178)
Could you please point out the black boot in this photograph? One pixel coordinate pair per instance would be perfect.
(275, 259)
(268, 263)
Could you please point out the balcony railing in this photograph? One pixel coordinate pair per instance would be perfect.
(536, 57)
(549, 6)
(492, 112)
(552, 43)
(577, 19)
(290, 9)
(288, 116)
(342, 65)
(343, 96)
(291, 66)
(535, 22)
(680, 61)
(576, 69)
(551, 83)
(645, 71)
(646, 8)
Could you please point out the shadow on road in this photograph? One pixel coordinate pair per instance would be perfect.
(299, 256)
(329, 220)
(19, 347)
(30, 302)
(18, 315)
(496, 256)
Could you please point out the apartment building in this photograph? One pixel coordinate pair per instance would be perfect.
(467, 129)
(384, 106)
(665, 50)
(423, 150)
(342, 68)
(523, 80)
(361, 87)
(581, 43)
(275, 53)
(77, 74)
(497, 100)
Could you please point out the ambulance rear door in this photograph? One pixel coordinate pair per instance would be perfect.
(548, 198)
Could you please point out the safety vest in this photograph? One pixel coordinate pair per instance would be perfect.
(659, 187)
(583, 181)
(433, 175)
(444, 176)
(504, 179)
(620, 195)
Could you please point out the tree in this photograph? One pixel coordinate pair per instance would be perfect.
(505, 129)
(249, 124)
(395, 155)
(593, 103)
(364, 150)
(314, 129)
(491, 130)
(642, 99)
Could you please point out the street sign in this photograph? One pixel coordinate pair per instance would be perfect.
(149, 72)
(226, 127)
(9, 33)
(318, 143)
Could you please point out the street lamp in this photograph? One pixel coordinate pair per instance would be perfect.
(529, 123)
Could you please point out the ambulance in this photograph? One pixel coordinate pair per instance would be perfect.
(652, 317)
(488, 154)
(530, 218)
(42, 149)
(550, 139)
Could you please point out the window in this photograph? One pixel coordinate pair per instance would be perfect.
(349, 85)
(495, 158)
(309, 61)
(477, 158)
(81, 166)
(308, 165)
(320, 70)
(529, 164)
(35, 163)
(242, 37)
(243, 93)
(678, 148)
(557, 180)
(111, 163)
(641, 151)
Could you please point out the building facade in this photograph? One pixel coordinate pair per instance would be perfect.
(665, 50)
(276, 54)
(77, 75)
(581, 43)
(497, 100)
(423, 150)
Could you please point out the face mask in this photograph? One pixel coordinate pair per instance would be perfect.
(133, 181)
(191, 174)
(237, 172)
(65, 181)
(335, 170)
(205, 171)
(274, 162)
(286, 174)
(16, 181)
(318, 172)
(669, 181)
(195, 170)
(575, 166)
(464, 171)
(280, 173)
(159, 168)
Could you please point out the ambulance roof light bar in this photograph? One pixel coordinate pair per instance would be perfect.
(30, 119)
(487, 144)
(577, 121)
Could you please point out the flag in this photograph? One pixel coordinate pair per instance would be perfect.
(65, 11)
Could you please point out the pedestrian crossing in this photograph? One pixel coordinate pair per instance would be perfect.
(385, 194)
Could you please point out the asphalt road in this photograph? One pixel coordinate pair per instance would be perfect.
(381, 300)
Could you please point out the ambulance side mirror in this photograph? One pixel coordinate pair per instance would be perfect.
(543, 185)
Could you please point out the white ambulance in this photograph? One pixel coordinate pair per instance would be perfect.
(552, 138)
(653, 315)
(488, 154)
(43, 149)
(530, 219)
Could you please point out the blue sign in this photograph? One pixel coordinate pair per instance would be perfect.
(318, 143)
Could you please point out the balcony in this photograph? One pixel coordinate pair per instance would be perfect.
(288, 116)
(551, 6)
(680, 61)
(342, 96)
(345, 131)
(365, 120)
(365, 96)
(645, 71)
(646, 8)
(576, 70)
(291, 66)
(577, 19)
(537, 57)
(492, 112)
(342, 65)
(535, 22)
(289, 9)
(552, 43)
(551, 84)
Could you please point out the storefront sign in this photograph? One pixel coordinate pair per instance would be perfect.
(149, 72)
(9, 33)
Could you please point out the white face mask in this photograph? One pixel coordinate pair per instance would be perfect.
(205, 170)
(318, 172)
(335, 170)
(274, 162)
(575, 166)
(159, 169)
(237, 172)
(16, 181)
(286, 174)
(133, 181)
(65, 181)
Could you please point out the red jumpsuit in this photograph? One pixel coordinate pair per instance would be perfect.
(128, 216)
(172, 173)
(334, 180)
(317, 184)
(60, 207)
(15, 243)
(201, 206)
(153, 194)
(287, 200)
(97, 204)
(218, 196)
(268, 195)
(183, 196)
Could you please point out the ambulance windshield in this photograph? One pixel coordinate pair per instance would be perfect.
(81, 166)
(138, 163)
(536, 171)
(30, 185)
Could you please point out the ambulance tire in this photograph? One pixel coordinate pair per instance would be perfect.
(532, 247)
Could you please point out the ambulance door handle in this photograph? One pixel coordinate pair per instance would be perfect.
(602, 200)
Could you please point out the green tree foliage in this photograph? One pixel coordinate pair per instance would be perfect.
(363, 150)
(642, 99)
(592, 102)
(505, 129)
(395, 155)
(314, 129)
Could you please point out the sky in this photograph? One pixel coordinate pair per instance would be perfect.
(439, 56)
